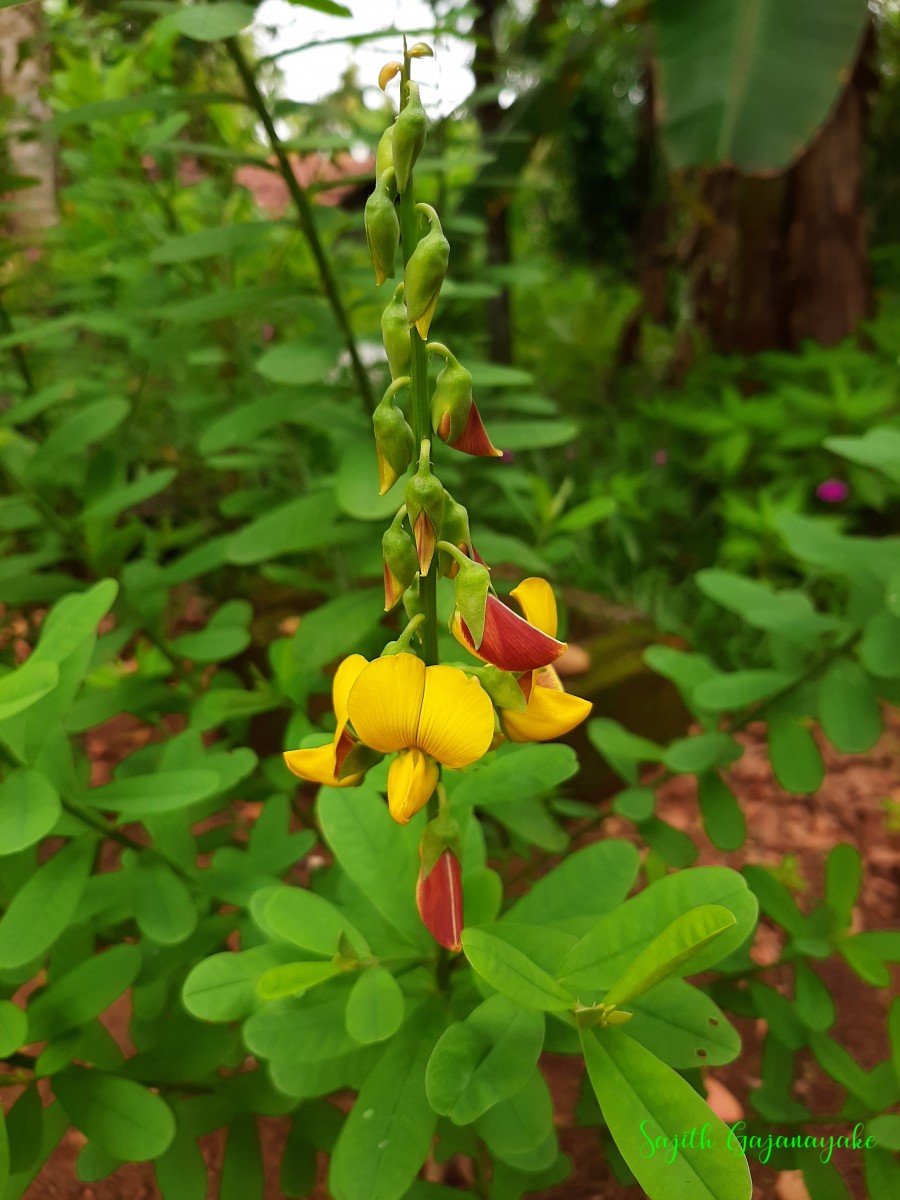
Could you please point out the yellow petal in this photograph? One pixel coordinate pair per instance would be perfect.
(457, 721)
(316, 765)
(385, 700)
(549, 714)
(412, 779)
(536, 599)
(344, 678)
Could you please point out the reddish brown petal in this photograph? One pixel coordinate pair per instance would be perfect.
(392, 588)
(510, 643)
(474, 438)
(440, 901)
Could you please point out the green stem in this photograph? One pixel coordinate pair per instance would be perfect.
(306, 220)
(418, 391)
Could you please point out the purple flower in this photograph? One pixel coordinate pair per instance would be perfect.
(508, 456)
(661, 457)
(832, 491)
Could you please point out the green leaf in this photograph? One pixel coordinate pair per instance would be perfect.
(137, 796)
(585, 515)
(128, 495)
(723, 818)
(375, 1007)
(242, 1167)
(519, 774)
(748, 84)
(84, 992)
(209, 243)
(163, 907)
(678, 943)
(789, 613)
(223, 987)
(793, 753)
(879, 447)
(124, 1119)
(356, 484)
(644, 1101)
(293, 979)
(726, 692)
(13, 1028)
(879, 649)
(812, 1000)
(607, 950)
(306, 523)
(324, 6)
(44, 906)
(308, 1030)
(886, 1131)
(635, 803)
(514, 974)
(297, 363)
(520, 1122)
(387, 1136)
(224, 636)
(73, 620)
(229, 704)
(24, 687)
(694, 755)
(73, 435)
(181, 1171)
(843, 876)
(848, 707)
(307, 920)
(682, 1026)
(209, 22)
(337, 627)
(532, 435)
(585, 884)
(622, 749)
(368, 845)
(29, 808)
(484, 1059)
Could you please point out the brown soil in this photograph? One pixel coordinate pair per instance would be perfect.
(850, 806)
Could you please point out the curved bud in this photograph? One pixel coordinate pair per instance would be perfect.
(394, 440)
(409, 136)
(412, 602)
(395, 335)
(452, 397)
(455, 529)
(420, 50)
(401, 563)
(439, 899)
(384, 155)
(382, 229)
(387, 73)
(474, 438)
(425, 273)
(472, 584)
(425, 506)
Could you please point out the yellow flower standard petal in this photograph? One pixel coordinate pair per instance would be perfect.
(457, 718)
(316, 765)
(385, 701)
(345, 677)
(412, 779)
(536, 599)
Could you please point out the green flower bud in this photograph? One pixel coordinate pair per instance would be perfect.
(472, 584)
(395, 442)
(425, 506)
(412, 602)
(425, 273)
(452, 399)
(382, 229)
(401, 563)
(455, 530)
(409, 136)
(395, 335)
(384, 155)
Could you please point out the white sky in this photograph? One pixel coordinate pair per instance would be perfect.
(445, 80)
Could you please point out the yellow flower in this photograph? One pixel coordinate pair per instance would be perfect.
(550, 711)
(322, 764)
(430, 715)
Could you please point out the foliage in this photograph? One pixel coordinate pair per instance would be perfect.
(186, 444)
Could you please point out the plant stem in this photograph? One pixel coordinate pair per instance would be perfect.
(418, 391)
(306, 220)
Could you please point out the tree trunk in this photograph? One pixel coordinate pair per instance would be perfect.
(24, 70)
(774, 261)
